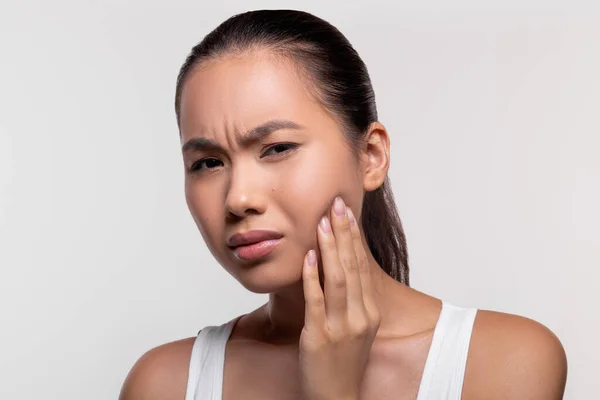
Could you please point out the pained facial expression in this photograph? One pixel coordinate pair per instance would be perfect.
(283, 180)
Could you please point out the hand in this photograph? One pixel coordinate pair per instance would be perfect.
(340, 324)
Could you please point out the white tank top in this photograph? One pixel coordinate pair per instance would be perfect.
(442, 377)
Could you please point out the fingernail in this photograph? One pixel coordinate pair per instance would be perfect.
(351, 217)
(311, 258)
(339, 207)
(325, 227)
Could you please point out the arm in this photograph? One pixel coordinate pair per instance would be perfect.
(160, 374)
(513, 357)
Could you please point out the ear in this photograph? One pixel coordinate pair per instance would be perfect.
(376, 156)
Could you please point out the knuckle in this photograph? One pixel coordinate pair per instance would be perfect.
(375, 320)
(363, 266)
(313, 346)
(343, 227)
(358, 334)
(362, 258)
(360, 328)
(316, 300)
(351, 266)
(328, 243)
(339, 281)
(347, 260)
(336, 336)
(360, 320)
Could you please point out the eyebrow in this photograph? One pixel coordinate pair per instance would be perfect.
(253, 135)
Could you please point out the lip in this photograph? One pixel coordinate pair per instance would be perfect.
(254, 244)
(251, 237)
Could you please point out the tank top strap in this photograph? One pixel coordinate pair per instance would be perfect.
(205, 376)
(444, 370)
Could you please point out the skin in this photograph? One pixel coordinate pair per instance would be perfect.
(289, 189)
(341, 321)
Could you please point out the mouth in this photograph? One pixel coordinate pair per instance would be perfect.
(253, 245)
(255, 251)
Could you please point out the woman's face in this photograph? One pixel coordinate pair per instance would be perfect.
(281, 178)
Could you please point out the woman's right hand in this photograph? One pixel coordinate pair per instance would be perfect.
(341, 322)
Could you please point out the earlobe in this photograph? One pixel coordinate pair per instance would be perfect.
(377, 157)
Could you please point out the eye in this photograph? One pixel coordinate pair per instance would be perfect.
(279, 148)
(205, 163)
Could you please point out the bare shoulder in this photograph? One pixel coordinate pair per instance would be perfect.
(160, 373)
(513, 357)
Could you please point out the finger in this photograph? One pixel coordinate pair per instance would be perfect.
(335, 279)
(364, 271)
(347, 254)
(314, 313)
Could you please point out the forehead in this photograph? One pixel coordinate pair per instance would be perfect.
(240, 92)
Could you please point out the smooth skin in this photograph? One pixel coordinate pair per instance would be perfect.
(340, 322)
(287, 181)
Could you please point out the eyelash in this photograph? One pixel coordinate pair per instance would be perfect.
(288, 147)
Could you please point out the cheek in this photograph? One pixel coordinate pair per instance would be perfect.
(202, 209)
(314, 182)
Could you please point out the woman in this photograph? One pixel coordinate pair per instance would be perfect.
(286, 177)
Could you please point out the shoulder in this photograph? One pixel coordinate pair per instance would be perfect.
(513, 357)
(160, 373)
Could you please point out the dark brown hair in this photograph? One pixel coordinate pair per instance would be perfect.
(340, 81)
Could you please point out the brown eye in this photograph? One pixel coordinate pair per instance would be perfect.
(206, 163)
(279, 148)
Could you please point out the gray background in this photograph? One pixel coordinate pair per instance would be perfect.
(493, 110)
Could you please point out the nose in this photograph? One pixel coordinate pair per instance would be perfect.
(244, 195)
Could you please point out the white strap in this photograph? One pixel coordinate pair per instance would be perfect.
(197, 362)
(205, 376)
(444, 371)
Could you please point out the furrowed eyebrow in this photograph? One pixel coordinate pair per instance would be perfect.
(253, 135)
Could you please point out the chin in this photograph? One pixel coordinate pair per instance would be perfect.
(268, 277)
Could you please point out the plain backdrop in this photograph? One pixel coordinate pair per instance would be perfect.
(494, 114)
